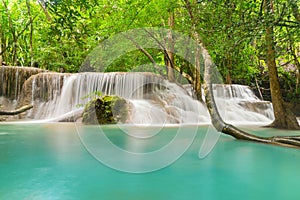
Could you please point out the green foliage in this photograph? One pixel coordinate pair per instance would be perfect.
(106, 110)
(65, 32)
(135, 61)
(91, 96)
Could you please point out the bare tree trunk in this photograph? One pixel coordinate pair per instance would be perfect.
(31, 32)
(258, 89)
(197, 74)
(284, 118)
(1, 39)
(298, 80)
(295, 58)
(169, 56)
(229, 68)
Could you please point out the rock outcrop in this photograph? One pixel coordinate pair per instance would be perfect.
(106, 110)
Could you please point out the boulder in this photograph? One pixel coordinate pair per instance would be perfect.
(106, 110)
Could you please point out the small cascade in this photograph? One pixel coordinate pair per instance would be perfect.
(234, 91)
(238, 103)
(43, 91)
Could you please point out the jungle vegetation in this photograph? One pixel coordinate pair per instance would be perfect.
(252, 42)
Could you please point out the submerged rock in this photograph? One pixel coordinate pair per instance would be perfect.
(106, 110)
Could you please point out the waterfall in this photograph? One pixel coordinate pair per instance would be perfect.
(242, 105)
(154, 100)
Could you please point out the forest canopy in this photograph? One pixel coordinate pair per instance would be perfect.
(58, 34)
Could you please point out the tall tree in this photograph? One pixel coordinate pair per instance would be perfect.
(284, 118)
(13, 33)
(195, 34)
(1, 41)
(169, 53)
(31, 32)
(296, 14)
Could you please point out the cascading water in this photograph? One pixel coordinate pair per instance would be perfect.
(57, 96)
(238, 104)
(154, 99)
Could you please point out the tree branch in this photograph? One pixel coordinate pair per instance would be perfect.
(185, 75)
(288, 25)
(17, 111)
(45, 11)
(144, 52)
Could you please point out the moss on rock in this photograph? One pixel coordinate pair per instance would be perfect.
(106, 110)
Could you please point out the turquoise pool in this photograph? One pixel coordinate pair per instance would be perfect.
(49, 161)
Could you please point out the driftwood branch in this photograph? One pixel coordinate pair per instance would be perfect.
(17, 111)
(221, 126)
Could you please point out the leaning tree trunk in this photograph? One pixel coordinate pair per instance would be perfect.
(211, 72)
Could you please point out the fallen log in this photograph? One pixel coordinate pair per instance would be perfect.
(17, 111)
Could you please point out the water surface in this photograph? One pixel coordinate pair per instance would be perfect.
(49, 161)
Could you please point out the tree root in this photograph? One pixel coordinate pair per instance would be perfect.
(286, 141)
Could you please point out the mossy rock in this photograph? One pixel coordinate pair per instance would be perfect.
(106, 110)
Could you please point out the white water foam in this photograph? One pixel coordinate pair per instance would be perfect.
(154, 99)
